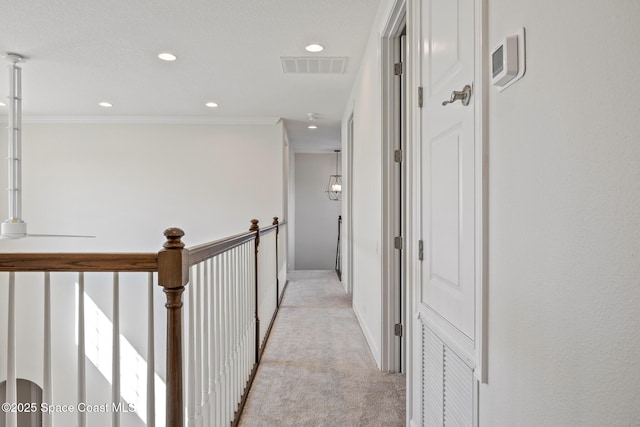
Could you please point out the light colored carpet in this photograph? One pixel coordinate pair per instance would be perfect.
(317, 369)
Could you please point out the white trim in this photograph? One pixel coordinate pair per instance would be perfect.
(375, 351)
(413, 230)
(317, 151)
(174, 120)
(389, 103)
(481, 101)
(449, 335)
(347, 199)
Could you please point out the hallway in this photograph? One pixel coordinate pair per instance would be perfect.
(317, 369)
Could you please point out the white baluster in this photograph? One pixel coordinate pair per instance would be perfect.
(206, 387)
(234, 333)
(227, 339)
(198, 338)
(115, 355)
(212, 344)
(82, 381)
(12, 386)
(243, 317)
(151, 371)
(249, 307)
(47, 416)
(191, 361)
(219, 355)
(254, 301)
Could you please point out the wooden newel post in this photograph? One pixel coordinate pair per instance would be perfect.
(254, 227)
(277, 224)
(173, 275)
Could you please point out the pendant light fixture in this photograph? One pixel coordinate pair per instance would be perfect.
(334, 187)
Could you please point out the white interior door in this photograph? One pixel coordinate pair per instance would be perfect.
(449, 172)
(448, 164)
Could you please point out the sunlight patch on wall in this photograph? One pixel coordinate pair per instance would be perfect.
(133, 367)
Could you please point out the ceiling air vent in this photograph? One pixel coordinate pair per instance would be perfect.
(314, 65)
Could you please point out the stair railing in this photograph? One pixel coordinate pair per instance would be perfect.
(230, 284)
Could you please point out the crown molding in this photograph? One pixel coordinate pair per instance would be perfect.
(171, 120)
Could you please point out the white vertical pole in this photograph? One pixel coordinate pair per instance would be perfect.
(206, 386)
(191, 362)
(47, 417)
(218, 351)
(227, 341)
(245, 309)
(12, 386)
(115, 355)
(236, 362)
(82, 387)
(241, 330)
(198, 338)
(15, 137)
(245, 312)
(254, 299)
(33, 397)
(213, 371)
(151, 371)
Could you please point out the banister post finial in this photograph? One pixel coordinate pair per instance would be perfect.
(256, 228)
(174, 236)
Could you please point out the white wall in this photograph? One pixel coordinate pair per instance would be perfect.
(126, 184)
(564, 210)
(316, 227)
(366, 191)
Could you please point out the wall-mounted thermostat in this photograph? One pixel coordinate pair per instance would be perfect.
(508, 61)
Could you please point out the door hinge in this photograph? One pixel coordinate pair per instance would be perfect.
(420, 96)
(397, 242)
(397, 68)
(420, 250)
(397, 329)
(397, 156)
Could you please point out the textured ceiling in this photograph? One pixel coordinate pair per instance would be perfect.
(82, 52)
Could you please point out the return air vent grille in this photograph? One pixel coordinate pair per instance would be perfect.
(313, 65)
(447, 385)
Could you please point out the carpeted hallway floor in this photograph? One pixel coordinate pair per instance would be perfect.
(317, 369)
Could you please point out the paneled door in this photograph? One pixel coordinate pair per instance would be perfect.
(449, 172)
(448, 163)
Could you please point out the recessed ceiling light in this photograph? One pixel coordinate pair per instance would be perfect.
(312, 127)
(211, 104)
(166, 56)
(105, 104)
(314, 48)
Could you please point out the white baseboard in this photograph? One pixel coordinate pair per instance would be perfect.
(373, 347)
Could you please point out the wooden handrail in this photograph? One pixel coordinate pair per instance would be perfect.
(205, 251)
(79, 262)
(269, 229)
(95, 262)
(172, 265)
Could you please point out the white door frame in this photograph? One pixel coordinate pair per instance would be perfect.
(346, 248)
(390, 347)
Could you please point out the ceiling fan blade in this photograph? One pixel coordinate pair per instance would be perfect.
(60, 235)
